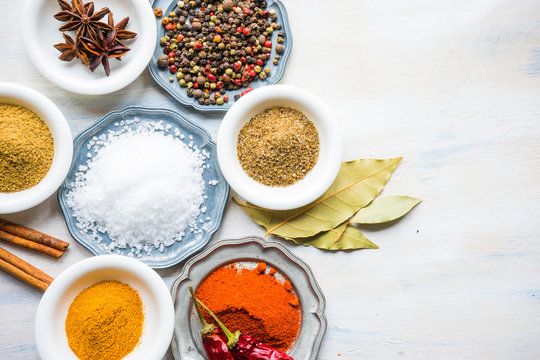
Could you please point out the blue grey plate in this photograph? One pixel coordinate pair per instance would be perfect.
(217, 194)
(161, 76)
(186, 342)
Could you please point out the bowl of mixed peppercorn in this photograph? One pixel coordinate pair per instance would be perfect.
(210, 53)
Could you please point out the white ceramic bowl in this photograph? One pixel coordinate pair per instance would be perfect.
(315, 183)
(40, 33)
(63, 147)
(51, 338)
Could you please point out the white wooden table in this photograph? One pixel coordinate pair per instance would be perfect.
(454, 87)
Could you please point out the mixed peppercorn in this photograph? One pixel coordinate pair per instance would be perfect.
(217, 46)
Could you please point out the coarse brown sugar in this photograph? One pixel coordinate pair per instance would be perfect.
(278, 146)
(26, 148)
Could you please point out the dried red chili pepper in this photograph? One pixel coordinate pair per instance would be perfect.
(245, 347)
(213, 339)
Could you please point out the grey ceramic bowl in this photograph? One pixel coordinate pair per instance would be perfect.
(186, 343)
(161, 76)
(215, 203)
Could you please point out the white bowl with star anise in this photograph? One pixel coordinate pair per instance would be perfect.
(89, 47)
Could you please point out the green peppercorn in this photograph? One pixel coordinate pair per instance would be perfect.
(180, 4)
(190, 84)
(182, 83)
(267, 71)
(173, 47)
(178, 26)
(219, 101)
(196, 69)
(262, 75)
(275, 61)
(213, 18)
(171, 79)
(162, 41)
(212, 85)
(174, 41)
(179, 75)
(269, 30)
(280, 40)
(207, 85)
(192, 4)
(257, 69)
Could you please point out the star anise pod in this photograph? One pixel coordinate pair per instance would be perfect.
(71, 50)
(103, 47)
(121, 32)
(83, 19)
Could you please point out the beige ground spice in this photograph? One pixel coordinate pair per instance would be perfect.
(278, 146)
(26, 148)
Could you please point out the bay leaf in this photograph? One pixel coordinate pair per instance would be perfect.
(385, 209)
(357, 184)
(342, 237)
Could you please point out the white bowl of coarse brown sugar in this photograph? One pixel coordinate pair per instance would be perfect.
(279, 147)
(17, 145)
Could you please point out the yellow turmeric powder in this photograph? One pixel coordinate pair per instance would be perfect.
(105, 321)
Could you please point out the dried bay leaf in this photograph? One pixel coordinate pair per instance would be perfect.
(357, 184)
(343, 237)
(385, 209)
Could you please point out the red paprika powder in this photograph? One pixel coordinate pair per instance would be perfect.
(254, 302)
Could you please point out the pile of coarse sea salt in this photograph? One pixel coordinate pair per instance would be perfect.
(143, 187)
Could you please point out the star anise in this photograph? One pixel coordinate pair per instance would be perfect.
(81, 18)
(121, 32)
(103, 47)
(71, 50)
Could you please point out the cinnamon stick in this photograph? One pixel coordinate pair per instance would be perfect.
(18, 273)
(24, 266)
(30, 244)
(33, 235)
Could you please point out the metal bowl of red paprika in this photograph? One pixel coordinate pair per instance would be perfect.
(279, 262)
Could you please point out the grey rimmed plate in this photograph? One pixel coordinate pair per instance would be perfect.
(161, 76)
(216, 194)
(186, 343)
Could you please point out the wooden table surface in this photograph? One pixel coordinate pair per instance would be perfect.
(454, 88)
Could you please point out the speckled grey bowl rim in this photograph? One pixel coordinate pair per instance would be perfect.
(265, 244)
(105, 120)
(187, 101)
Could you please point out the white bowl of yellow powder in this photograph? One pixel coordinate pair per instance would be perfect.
(36, 148)
(105, 307)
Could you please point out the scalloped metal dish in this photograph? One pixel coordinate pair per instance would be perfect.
(186, 343)
(215, 203)
(162, 76)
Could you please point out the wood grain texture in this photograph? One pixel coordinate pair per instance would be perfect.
(454, 88)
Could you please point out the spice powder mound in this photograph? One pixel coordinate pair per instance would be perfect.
(278, 146)
(26, 148)
(254, 302)
(105, 321)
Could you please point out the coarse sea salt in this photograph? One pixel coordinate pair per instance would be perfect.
(143, 188)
